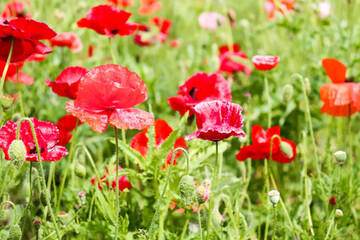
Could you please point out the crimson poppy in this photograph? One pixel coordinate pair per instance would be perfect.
(69, 39)
(148, 7)
(217, 120)
(162, 131)
(146, 35)
(67, 83)
(261, 146)
(271, 7)
(65, 125)
(108, 20)
(123, 183)
(122, 3)
(26, 33)
(265, 63)
(11, 74)
(106, 94)
(200, 88)
(47, 134)
(340, 98)
(231, 60)
(15, 9)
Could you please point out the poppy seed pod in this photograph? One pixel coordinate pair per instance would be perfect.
(187, 189)
(6, 101)
(274, 197)
(15, 232)
(339, 213)
(286, 149)
(203, 191)
(287, 93)
(340, 157)
(17, 153)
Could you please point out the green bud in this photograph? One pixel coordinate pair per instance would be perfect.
(187, 189)
(80, 170)
(6, 101)
(286, 149)
(4, 216)
(43, 198)
(62, 216)
(287, 93)
(203, 191)
(216, 217)
(17, 153)
(340, 157)
(307, 85)
(274, 197)
(15, 232)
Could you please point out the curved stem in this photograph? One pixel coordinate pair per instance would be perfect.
(212, 189)
(164, 190)
(117, 184)
(67, 167)
(47, 197)
(3, 203)
(226, 199)
(6, 68)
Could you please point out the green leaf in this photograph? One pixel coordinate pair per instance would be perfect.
(104, 207)
(133, 155)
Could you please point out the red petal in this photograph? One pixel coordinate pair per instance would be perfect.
(131, 118)
(23, 78)
(148, 7)
(335, 69)
(265, 63)
(7, 135)
(36, 29)
(68, 123)
(68, 39)
(56, 153)
(140, 143)
(162, 131)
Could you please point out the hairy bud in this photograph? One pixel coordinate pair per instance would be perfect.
(80, 170)
(15, 232)
(187, 189)
(17, 153)
(203, 191)
(287, 93)
(286, 149)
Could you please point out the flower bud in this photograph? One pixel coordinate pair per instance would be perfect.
(274, 197)
(340, 157)
(286, 149)
(216, 217)
(43, 198)
(82, 196)
(77, 207)
(6, 101)
(187, 189)
(15, 232)
(36, 223)
(287, 93)
(339, 213)
(17, 153)
(80, 170)
(332, 201)
(307, 86)
(62, 216)
(203, 191)
(4, 216)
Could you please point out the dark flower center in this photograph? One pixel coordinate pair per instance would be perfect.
(349, 79)
(33, 150)
(114, 31)
(192, 94)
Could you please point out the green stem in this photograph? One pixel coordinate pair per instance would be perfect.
(329, 229)
(67, 167)
(274, 223)
(29, 203)
(164, 190)
(3, 203)
(77, 147)
(47, 197)
(19, 92)
(267, 93)
(349, 135)
(230, 212)
(6, 68)
(117, 183)
(212, 189)
(186, 225)
(124, 141)
(112, 52)
(199, 220)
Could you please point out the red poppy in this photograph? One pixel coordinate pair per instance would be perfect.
(265, 63)
(108, 20)
(332, 201)
(271, 7)
(106, 94)
(67, 83)
(261, 146)
(123, 183)
(122, 3)
(69, 39)
(340, 98)
(175, 206)
(65, 125)
(217, 120)
(162, 131)
(148, 7)
(200, 88)
(12, 76)
(156, 31)
(231, 60)
(174, 43)
(15, 9)
(26, 33)
(47, 135)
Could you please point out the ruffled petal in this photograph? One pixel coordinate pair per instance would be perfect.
(131, 118)
(216, 133)
(56, 153)
(7, 135)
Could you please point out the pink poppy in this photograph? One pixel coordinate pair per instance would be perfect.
(211, 20)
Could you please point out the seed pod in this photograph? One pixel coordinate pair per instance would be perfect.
(6, 101)
(187, 189)
(274, 197)
(287, 93)
(339, 213)
(15, 232)
(203, 191)
(17, 153)
(340, 157)
(80, 170)
(286, 149)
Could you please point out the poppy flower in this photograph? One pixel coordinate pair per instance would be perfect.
(69, 39)
(67, 83)
(123, 183)
(231, 60)
(200, 88)
(217, 120)
(11, 74)
(162, 131)
(106, 94)
(271, 7)
(283, 152)
(211, 20)
(156, 31)
(15, 9)
(65, 125)
(175, 207)
(265, 63)
(108, 20)
(122, 3)
(148, 7)
(47, 134)
(340, 98)
(26, 33)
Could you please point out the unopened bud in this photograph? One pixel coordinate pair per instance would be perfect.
(216, 217)
(17, 153)
(340, 157)
(77, 207)
(36, 223)
(15, 232)
(4, 216)
(203, 191)
(287, 93)
(286, 149)
(339, 213)
(307, 86)
(82, 196)
(6, 101)
(43, 198)
(62, 216)
(80, 170)
(187, 189)
(274, 197)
